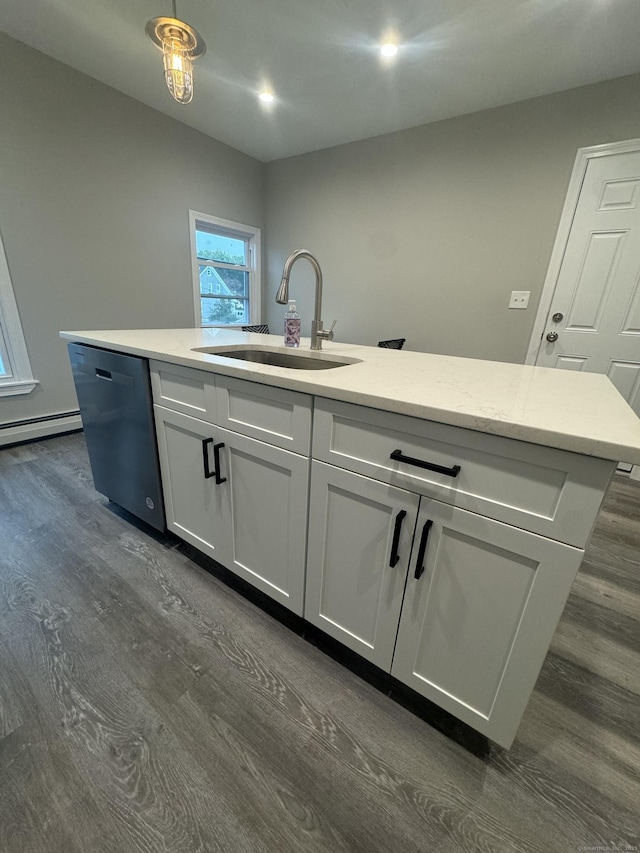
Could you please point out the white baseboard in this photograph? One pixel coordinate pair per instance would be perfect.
(28, 430)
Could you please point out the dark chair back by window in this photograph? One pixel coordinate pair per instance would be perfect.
(394, 343)
(262, 328)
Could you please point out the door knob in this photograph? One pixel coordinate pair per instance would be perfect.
(557, 317)
(552, 336)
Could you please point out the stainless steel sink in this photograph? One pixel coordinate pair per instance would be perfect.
(277, 358)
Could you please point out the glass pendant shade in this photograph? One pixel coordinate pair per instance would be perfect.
(178, 71)
(180, 45)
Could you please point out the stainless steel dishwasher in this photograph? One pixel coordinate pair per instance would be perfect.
(114, 394)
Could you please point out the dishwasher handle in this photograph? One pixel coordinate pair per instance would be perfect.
(112, 376)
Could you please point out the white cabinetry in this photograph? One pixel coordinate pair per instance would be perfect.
(183, 389)
(193, 506)
(239, 500)
(442, 555)
(481, 605)
(265, 516)
(548, 491)
(357, 564)
(462, 606)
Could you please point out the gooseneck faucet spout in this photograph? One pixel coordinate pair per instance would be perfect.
(318, 334)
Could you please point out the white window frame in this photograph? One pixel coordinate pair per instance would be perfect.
(13, 347)
(233, 229)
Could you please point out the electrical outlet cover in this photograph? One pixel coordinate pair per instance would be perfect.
(519, 298)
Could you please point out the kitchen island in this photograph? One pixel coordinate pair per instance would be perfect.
(428, 512)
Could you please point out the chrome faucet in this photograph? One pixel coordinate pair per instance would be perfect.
(318, 334)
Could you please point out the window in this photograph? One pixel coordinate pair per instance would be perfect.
(15, 370)
(226, 271)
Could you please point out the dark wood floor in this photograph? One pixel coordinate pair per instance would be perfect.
(147, 706)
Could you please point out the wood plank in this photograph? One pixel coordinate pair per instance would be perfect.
(45, 804)
(16, 700)
(125, 755)
(598, 699)
(597, 590)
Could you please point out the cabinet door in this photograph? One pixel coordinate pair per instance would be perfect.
(265, 515)
(193, 505)
(355, 575)
(476, 625)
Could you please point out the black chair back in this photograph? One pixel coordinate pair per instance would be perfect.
(262, 328)
(394, 343)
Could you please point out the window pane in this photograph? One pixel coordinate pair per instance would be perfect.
(220, 281)
(225, 279)
(221, 312)
(217, 247)
(5, 370)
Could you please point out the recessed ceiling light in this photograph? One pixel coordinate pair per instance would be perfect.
(266, 97)
(389, 49)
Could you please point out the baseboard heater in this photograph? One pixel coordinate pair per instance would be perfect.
(28, 429)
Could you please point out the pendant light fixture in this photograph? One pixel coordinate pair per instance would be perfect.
(180, 45)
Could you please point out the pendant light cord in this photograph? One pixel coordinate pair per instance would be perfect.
(175, 14)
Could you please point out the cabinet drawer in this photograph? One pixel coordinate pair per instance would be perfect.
(551, 492)
(184, 389)
(275, 415)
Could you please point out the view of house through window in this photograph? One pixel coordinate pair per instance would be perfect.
(226, 271)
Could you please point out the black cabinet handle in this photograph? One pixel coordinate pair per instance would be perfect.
(205, 458)
(393, 559)
(422, 549)
(399, 456)
(216, 457)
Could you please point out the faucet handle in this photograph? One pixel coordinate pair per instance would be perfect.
(327, 334)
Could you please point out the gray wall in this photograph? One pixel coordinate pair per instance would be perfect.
(421, 233)
(424, 233)
(95, 190)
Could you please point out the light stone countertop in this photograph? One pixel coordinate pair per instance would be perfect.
(581, 412)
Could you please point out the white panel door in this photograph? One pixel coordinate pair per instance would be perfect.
(481, 605)
(264, 512)
(360, 536)
(241, 501)
(598, 287)
(193, 505)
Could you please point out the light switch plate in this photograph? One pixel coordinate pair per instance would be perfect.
(519, 298)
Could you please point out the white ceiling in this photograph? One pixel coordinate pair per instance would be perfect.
(320, 58)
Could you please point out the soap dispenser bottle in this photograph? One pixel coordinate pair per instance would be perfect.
(292, 326)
